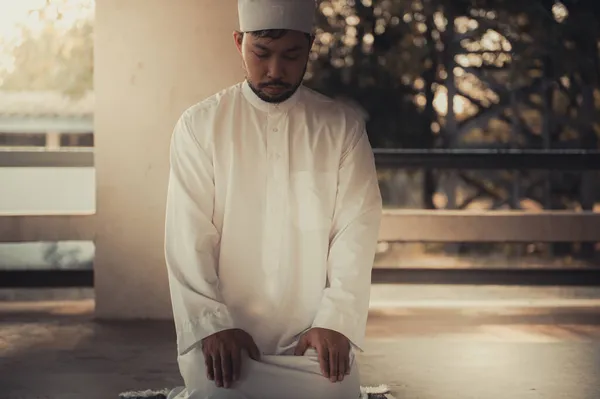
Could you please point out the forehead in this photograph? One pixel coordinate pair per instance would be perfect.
(292, 40)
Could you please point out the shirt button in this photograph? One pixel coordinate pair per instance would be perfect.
(275, 129)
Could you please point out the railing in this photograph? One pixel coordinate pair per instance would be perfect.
(486, 227)
(76, 157)
(18, 228)
(489, 159)
(397, 225)
(403, 158)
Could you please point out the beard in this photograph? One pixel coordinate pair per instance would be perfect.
(286, 93)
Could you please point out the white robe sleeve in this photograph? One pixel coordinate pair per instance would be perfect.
(345, 303)
(192, 242)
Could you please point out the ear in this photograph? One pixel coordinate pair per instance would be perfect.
(238, 38)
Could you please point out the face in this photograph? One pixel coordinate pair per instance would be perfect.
(274, 67)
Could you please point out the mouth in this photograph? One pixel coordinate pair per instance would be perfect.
(274, 90)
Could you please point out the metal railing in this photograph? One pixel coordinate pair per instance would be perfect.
(487, 227)
(397, 225)
(483, 159)
(489, 159)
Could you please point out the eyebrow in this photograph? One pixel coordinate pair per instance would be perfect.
(265, 48)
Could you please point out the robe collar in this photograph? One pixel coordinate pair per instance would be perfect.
(270, 108)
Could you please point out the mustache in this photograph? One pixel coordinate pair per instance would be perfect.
(275, 83)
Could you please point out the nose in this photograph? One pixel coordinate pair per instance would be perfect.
(275, 70)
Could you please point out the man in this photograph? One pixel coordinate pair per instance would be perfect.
(272, 221)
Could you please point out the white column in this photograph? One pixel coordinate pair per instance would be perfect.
(153, 59)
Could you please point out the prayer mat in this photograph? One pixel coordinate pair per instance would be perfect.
(379, 392)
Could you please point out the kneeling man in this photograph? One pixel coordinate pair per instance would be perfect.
(273, 215)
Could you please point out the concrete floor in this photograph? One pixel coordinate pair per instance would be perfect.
(56, 350)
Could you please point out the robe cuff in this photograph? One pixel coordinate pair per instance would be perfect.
(194, 330)
(348, 325)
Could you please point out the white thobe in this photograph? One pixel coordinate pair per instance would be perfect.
(273, 214)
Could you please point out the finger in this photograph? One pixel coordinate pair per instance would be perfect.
(253, 351)
(210, 371)
(226, 367)
(324, 360)
(333, 365)
(342, 362)
(301, 347)
(347, 365)
(236, 363)
(218, 370)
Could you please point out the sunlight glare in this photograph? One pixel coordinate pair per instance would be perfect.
(560, 12)
(24, 13)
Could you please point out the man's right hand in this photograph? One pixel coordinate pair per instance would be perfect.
(223, 355)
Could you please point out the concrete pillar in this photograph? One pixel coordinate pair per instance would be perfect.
(153, 59)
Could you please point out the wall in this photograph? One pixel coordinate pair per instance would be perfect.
(153, 59)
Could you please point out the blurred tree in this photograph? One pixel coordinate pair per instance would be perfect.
(52, 56)
(469, 73)
(359, 54)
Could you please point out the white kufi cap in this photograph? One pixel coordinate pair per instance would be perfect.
(276, 14)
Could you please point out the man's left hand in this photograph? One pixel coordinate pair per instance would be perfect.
(333, 349)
